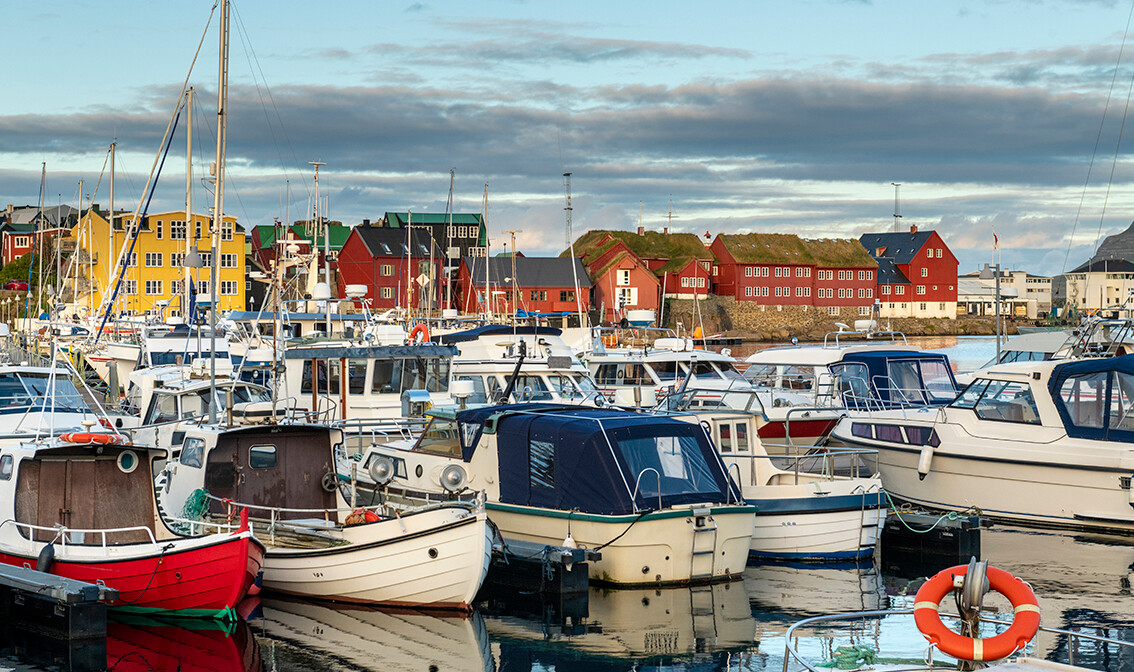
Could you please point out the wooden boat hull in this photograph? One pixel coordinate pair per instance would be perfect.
(822, 520)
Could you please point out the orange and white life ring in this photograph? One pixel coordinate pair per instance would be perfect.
(1025, 623)
(78, 437)
(610, 340)
(419, 330)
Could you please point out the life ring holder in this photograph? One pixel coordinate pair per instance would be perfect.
(419, 329)
(1025, 622)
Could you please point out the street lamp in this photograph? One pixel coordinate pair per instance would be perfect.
(987, 273)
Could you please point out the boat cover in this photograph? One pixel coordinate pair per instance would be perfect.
(494, 330)
(899, 392)
(1116, 398)
(591, 460)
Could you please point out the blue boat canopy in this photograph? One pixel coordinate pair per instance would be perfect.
(895, 378)
(1095, 398)
(494, 330)
(591, 460)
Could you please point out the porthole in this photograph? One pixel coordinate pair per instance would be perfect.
(127, 461)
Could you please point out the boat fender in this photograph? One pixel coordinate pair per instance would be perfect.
(1025, 622)
(924, 462)
(46, 559)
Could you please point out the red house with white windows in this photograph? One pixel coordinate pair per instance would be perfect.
(917, 273)
(622, 281)
(395, 269)
(525, 286)
(20, 228)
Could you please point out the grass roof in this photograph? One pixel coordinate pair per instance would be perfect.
(767, 248)
(840, 253)
(678, 248)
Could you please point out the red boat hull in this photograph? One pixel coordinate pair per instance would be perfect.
(211, 578)
(150, 648)
(806, 432)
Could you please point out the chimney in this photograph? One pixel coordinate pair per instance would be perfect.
(913, 228)
(641, 230)
(366, 222)
(8, 210)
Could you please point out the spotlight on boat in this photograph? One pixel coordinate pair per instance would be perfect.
(382, 470)
(453, 478)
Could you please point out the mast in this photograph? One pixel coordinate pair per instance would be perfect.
(487, 258)
(218, 204)
(571, 242)
(448, 243)
(187, 283)
(109, 231)
(326, 248)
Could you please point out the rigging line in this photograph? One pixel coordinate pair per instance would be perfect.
(230, 182)
(1102, 121)
(1114, 162)
(275, 108)
(246, 41)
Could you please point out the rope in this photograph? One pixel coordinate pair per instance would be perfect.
(632, 523)
(949, 515)
(152, 575)
(851, 657)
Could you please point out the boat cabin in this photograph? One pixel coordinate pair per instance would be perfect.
(884, 379)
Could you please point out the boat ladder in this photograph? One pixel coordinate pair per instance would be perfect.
(704, 544)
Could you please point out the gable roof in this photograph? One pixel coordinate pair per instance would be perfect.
(266, 233)
(398, 220)
(677, 248)
(766, 248)
(530, 271)
(889, 274)
(1105, 266)
(900, 248)
(51, 215)
(838, 253)
(381, 242)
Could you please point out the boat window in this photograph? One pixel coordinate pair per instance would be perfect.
(6, 464)
(891, 433)
(762, 375)
(440, 437)
(905, 383)
(862, 430)
(193, 452)
(677, 459)
(163, 408)
(584, 383)
(1009, 402)
(607, 374)
(12, 392)
(59, 393)
(726, 437)
(357, 376)
(938, 380)
(634, 374)
(702, 370)
(387, 376)
(971, 395)
(539, 389)
(336, 379)
(851, 384)
(798, 378)
(1084, 398)
(541, 464)
(728, 371)
(1122, 402)
(437, 374)
(478, 395)
(260, 457)
(321, 368)
(563, 386)
(742, 437)
(665, 371)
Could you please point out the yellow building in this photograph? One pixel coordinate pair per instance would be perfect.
(155, 272)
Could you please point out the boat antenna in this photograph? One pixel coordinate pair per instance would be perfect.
(571, 243)
(897, 207)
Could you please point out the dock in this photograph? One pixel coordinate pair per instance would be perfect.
(59, 606)
(552, 581)
(918, 542)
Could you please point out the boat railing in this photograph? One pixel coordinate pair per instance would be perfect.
(828, 342)
(65, 534)
(638, 483)
(745, 399)
(791, 639)
(832, 463)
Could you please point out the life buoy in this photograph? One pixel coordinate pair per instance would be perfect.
(610, 340)
(419, 329)
(1025, 623)
(78, 437)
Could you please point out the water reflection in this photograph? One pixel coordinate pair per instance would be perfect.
(148, 644)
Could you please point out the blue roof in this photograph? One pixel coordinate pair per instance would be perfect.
(900, 247)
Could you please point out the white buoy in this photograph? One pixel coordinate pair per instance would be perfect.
(924, 462)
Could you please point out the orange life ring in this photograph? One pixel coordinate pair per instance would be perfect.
(419, 329)
(610, 340)
(77, 437)
(1025, 623)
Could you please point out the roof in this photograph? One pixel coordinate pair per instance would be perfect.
(767, 248)
(1105, 266)
(530, 271)
(888, 273)
(14, 227)
(339, 234)
(899, 247)
(382, 242)
(399, 220)
(839, 253)
(677, 248)
(27, 215)
(494, 330)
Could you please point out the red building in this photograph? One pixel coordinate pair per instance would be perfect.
(19, 227)
(522, 285)
(785, 270)
(679, 260)
(395, 271)
(267, 239)
(621, 280)
(917, 273)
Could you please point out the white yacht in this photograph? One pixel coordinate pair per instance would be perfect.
(1043, 443)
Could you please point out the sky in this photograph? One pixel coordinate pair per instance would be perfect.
(1000, 116)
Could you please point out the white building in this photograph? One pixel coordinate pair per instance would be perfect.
(1022, 294)
(1102, 284)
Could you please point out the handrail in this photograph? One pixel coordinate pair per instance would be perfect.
(327, 511)
(638, 482)
(61, 531)
(791, 653)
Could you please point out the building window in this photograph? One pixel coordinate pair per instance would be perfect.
(925, 272)
(864, 310)
(748, 291)
(799, 291)
(921, 289)
(901, 289)
(227, 260)
(197, 229)
(175, 286)
(715, 269)
(451, 231)
(132, 260)
(20, 241)
(158, 229)
(129, 286)
(941, 306)
(478, 251)
(176, 259)
(748, 271)
(153, 287)
(921, 306)
(624, 277)
(153, 260)
(861, 293)
(387, 292)
(939, 253)
(799, 271)
(885, 289)
(870, 292)
(228, 287)
(567, 295)
(929, 253)
(202, 286)
(247, 285)
(387, 270)
(537, 295)
(779, 272)
(176, 229)
(807, 291)
(226, 231)
(832, 310)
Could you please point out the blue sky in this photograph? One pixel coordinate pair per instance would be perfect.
(749, 116)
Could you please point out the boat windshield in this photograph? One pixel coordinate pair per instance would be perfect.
(666, 461)
(571, 387)
(530, 387)
(19, 391)
(197, 403)
(702, 370)
(728, 371)
(665, 371)
(440, 437)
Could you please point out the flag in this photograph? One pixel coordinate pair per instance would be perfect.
(995, 241)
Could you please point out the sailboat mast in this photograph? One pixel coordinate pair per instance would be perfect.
(571, 243)
(218, 203)
(187, 281)
(109, 233)
(448, 244)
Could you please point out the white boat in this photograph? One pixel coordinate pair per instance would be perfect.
(1039, 443)
(319, 545)
(42, 401)
(805, 508)
(648, 492)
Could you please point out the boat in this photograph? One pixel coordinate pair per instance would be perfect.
(82, 506)
(319, 543)
(145, 644)
(1043, 443)
(805, 508)
(647, 491)
(979, 641)
(43, 401)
